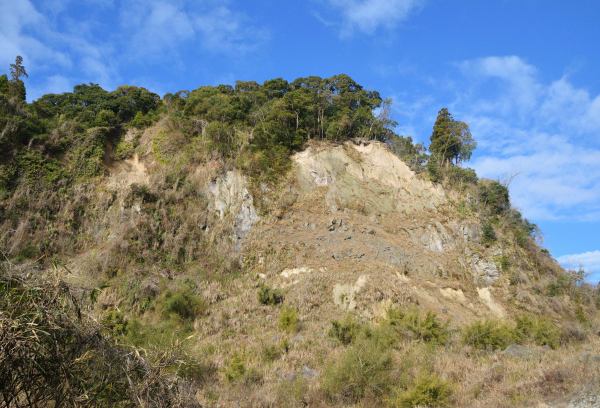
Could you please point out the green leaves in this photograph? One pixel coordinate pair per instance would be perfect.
(451, 140)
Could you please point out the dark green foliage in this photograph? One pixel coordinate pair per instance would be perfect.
(363, 370)
(537, 330)
(494, 197)
(460, 175)
(36, 170)
(412, 154)
(489, 335)
(288, 320)
(115, 322)
(413, 324)
(86, 159)
(488, 234)
(345, 331)
(451, 140)
(184, 304)
(269, 296)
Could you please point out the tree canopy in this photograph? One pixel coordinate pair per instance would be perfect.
(451, 140)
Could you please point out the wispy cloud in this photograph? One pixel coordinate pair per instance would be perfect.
(589, 261)
(159, 26)
(98, 40)
(542, 135)
(369, 16)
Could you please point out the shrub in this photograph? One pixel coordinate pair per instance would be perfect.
(288, 319)
(503, 263)
(54, 355)
(494, 197)
(268, 296)
(123, 150)
(538, 330)
(434, 170)
(184, 304)
(427, 391)
(115, 322)
(488, 335)
(236, 369)
(427, 328)
(364, 369)
(345, 331)
(271, 353)
(458, 175)
(488, 235)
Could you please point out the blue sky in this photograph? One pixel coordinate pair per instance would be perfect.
(522, 73)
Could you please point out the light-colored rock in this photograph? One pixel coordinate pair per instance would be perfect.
(456, 295)
(344, 294)
(485, 295)
(288, 273)
(127, 172)
(485, 272)
(231, 196)
(367, 177)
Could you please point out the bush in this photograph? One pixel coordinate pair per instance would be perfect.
(364, 369)
(537, 330)
(503, 263)
(54, 355)
(488, 235)
(427, 391)
(268, 296)
(460, 175)
(489, 335)
(288, 320)
(412, 324)
(494, 197)
(115, 322)
(345, 331)
(184, 304)
(236, 369)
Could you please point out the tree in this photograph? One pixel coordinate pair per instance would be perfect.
(17, 87)
(17, 70)
(451, 140)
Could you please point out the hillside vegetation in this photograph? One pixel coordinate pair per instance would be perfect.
(272, 244)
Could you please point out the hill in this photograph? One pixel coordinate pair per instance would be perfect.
(287, 245)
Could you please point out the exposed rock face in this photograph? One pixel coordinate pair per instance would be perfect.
(343, 295)
(232, 198)
(486, 297)
(485, 272)
(360, 212)
(367, 177)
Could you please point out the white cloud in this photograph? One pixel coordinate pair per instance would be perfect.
(542, 135)
(19, 20)
(589, 261)
(56, 44)
(522, 89)
(368, 16)
(160, 26)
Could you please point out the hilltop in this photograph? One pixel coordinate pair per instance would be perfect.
(273, 244)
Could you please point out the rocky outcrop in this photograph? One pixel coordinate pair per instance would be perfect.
(231, 197)
(367, 177)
